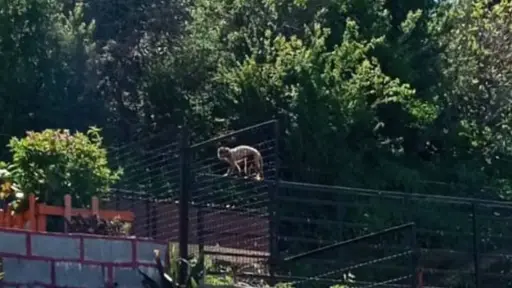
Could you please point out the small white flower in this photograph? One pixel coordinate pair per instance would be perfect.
(4, 173)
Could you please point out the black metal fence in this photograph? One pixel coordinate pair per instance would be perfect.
(177, 193)
(231, 217)
(308, 234)
(342, 261)
(150, 184)
(462, 242)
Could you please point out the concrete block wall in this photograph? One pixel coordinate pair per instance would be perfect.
(74, 261)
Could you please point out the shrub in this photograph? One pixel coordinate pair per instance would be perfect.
(169, 273)
(53, 163)
(94, 225)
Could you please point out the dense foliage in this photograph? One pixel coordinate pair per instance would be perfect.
(383, 94)
(389, 94)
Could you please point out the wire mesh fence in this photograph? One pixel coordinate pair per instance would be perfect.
(149, 185)
(461, 241)
(229, 216)
(494, 235)
(369, 255)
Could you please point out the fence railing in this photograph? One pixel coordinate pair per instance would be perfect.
(460, 241)
(236, 212)
(463, 242)
(175, 191)
(336, 270)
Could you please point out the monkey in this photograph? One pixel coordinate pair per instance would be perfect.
(233, 156)
(242, 153)
(226, 154)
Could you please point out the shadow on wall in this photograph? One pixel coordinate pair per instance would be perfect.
(49, 259)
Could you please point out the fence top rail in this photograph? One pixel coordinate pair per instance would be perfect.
(373, 192)
(350, 241)
(225, 136)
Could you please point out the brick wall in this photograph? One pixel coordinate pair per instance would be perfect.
(59, 260)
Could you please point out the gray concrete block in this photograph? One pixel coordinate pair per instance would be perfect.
(55, 247)
(79, 275)
(128, 277)
(145, 250)
(24, 271)
(107, 250)
(13, 243)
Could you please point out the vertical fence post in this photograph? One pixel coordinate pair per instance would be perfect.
(154, 217)
(274, 213)
(148, 215)
(200, 228)
(409, 216)
(476, 244)
(200, 233)
(184, 203)
(68, 210)
(414, 257)
(420, 278)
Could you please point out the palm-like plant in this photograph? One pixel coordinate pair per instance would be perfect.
(168, 273)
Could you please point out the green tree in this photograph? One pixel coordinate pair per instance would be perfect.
(132, 39)
(45, 66)
(477, 108)
(321, 75)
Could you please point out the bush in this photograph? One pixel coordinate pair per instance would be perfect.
(169, 273)
(53, 163)
(94, 225)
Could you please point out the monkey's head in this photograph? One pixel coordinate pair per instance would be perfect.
(223, 152)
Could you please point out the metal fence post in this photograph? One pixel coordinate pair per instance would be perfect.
(414, 257)
(148, 215)
(274, 213)
(200, 233)
(476, 244)
(184, 204)
(199, 214)
(154, 217)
